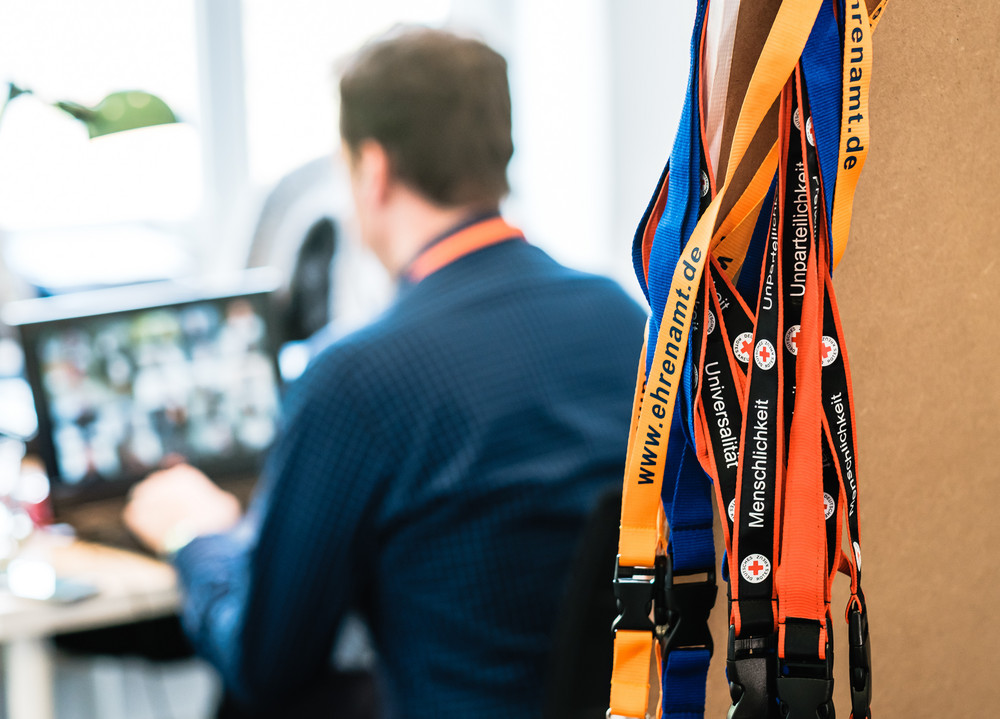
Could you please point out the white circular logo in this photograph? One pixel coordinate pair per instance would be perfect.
(732, 510)
(755, 568)
(763, 354)
(743, 346)
(711, 322)
(857, 554)
(795, 119)
(829, 351)
(810, 137)
(792, 339)
(706, 186)
(829, 506)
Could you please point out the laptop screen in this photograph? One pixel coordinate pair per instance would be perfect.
(180, 375)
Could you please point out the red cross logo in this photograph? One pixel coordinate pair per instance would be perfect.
(828, 505)
(755, 568)
(764, 354)
(830, 350)
(743, 346)
(792, 339)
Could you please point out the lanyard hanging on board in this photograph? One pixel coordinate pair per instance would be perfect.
(641, 531)
(680, 232)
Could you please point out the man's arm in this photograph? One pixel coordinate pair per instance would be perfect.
(264, 601)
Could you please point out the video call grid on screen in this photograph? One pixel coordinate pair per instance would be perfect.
(124, 393)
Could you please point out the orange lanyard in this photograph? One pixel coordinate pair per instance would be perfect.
(472, 238)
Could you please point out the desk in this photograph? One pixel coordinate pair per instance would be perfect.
(131, 587)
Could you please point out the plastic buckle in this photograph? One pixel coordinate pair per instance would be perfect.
(684, 622)
(805, 687)
(750, 668)
(636, 589)
(803, 697)
(861, 664)
(609, 715)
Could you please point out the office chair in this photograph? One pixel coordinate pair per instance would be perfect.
(329, 277)
(579, 676)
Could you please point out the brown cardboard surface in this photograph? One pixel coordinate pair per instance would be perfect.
(919, 290)
(752, 26)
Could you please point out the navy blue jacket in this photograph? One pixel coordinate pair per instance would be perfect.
(433, 473)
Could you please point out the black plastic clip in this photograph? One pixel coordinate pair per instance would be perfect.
(806, 698)
(861, 663)
(687, 607)
(750, 669)
(805, 686)
(636, 588)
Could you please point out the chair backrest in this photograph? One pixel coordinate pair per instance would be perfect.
(303, 231)
(579, 677)
(306, 308)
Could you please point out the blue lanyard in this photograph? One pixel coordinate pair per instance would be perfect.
(748, 283)
(823, 79)
(686, 491)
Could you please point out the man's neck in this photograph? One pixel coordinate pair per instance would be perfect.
(413, 225)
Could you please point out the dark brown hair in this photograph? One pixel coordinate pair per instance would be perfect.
(440, 106)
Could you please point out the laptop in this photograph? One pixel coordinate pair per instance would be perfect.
(129, 380)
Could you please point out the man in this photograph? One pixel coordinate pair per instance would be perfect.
(435, 468)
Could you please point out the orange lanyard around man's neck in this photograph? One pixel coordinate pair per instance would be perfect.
(440, 253)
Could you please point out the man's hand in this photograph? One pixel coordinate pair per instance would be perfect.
(176, 503)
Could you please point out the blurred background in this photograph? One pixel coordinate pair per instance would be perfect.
(252, 84)
(248, 176)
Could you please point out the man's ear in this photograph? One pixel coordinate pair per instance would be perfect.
(374, 174)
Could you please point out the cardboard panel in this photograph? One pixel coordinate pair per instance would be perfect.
(752, 26)
(919, 296)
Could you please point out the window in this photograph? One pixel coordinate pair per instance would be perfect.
(290, 49)
(150, 196)
(52, 178)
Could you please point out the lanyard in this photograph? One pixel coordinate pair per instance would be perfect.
(783, 391)
(802, 576)
(854, 134)
(640, 535)
(748, 283)
(821, 73)
(641, 532)
(685, 491)
(719, 407)
(458, 243)
(754, 546)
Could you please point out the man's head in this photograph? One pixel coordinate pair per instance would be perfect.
(425, 113)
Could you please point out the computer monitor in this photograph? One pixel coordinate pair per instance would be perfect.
(131, 379)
